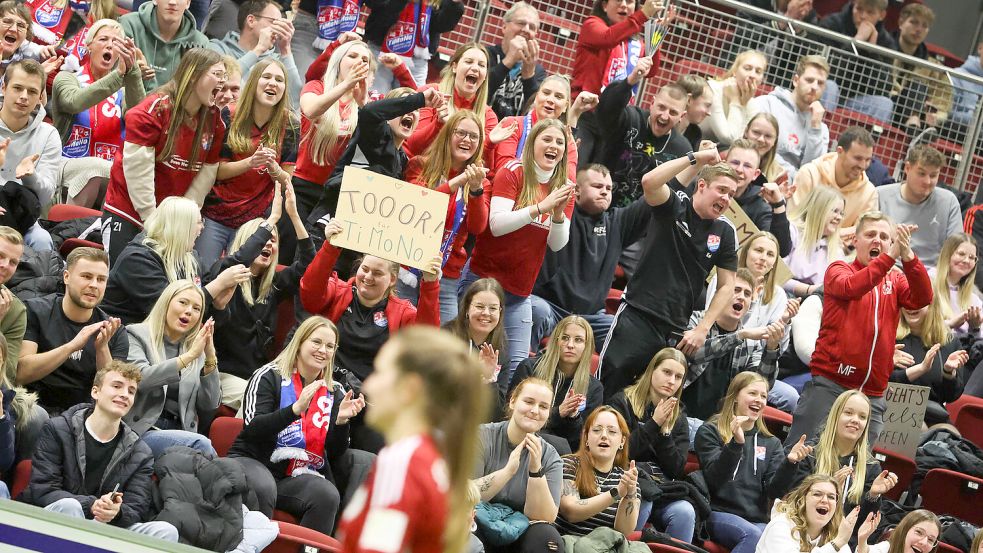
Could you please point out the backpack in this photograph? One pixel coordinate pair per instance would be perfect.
(957, 532)
(942, 449)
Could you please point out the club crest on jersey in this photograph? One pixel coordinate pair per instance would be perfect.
(380, 320)
(206, 141)
(77, 144)
(713, 243)
(888, 288)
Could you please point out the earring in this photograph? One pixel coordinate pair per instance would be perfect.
(622, 446)
(474, 525)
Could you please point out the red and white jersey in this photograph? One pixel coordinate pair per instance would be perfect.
(402, 506)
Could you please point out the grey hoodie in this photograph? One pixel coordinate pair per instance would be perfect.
(798, 142)
(37, 137)
(247, 59)
(967, 93)
(162, 55)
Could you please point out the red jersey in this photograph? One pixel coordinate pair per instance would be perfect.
(306, 168)
(146, 125)
(514, 258)
(402, 506)
(430, 124)
(511, 148)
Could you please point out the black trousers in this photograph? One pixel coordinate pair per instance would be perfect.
(632, 342)
(116, 234)
(313, 500)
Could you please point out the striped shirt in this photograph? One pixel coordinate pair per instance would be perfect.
(605, 481)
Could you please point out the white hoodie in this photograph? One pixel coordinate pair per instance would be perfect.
(37, 137)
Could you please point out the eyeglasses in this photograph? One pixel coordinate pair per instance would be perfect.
(921, 535)
(462, 134)
(9, 22)
(266, 17)
(491, 309)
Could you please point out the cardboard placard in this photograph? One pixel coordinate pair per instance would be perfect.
(390, 218)
(746, 228)
(903, 418)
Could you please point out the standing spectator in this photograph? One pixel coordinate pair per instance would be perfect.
(576, 279)
(697, 108)
(952, 282)
(918, 201)
(732, 94)
(89, 463)
(263, 34)
(802, 135)
(846, 171)
(922, 97)
(816, 242)
(679, 256)
(515, 73)
(868, 294)
(763, 203)
(163, 35)
(171, 149)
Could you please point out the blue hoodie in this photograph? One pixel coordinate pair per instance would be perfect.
(967, 93)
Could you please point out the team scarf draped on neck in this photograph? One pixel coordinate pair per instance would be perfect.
(302, 441)
(97, 131)
(621, 62)
(412, 29)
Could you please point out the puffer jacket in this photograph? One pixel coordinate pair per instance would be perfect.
(58, 468)
(201, 497)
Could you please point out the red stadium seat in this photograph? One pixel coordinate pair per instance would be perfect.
(970, 422)
(67, 212)
(714, 548)
(21, 478)
(613, 301)
(898, 464)
(662, 548)
(283, 516)
(947, 492)
(223, 432)
(292, 537)
(225, 411)
(692, 463)
(595, 360)
(777, 421)
(954, 407)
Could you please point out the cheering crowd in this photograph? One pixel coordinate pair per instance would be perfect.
(505, 396)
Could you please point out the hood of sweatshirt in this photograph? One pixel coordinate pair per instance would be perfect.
(752, 192)
(230, 44)
(826, 167)
(24, 143)
(148, 17)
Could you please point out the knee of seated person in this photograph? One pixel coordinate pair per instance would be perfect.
(67, 506)
(166, 531)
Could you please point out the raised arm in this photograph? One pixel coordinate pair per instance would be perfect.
(683, 168)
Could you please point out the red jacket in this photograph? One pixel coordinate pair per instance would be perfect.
(594, 46)
(315, 72)
(861, 310)
(323, 293)
(430, 124)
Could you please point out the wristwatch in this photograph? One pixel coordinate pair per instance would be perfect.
(692, 158)
(778, 204)
(615, 494)
(538, 474)
(266, 225)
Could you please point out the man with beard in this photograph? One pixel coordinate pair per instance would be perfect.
(515, 73)
(68, 337)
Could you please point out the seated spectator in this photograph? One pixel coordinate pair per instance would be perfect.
(930, 356)
(810, 518)
(530, 210)
(922, 97)
(918, 201)
(763, 130)
(762, 202)
(659, 436)
(802, 135)
(263, 34)
(297, 419)
(13, 314)
(919, 530)
(697, 108)
(732, 94)
(730, 447)
(576, 279)
(731, 348)
(515, 73)
(780, 41)
(161, 254)
(258, 156)
(21, 420)
(845, 170)
(175, 353)
(453, 164)
(244, 329)
(30, 150)
(164, 155)
(869, 83)
(968, 93)
(481, 326)
(163, 36)
(232, 87)
(519, 469)
(69, 338)
(814, 227)
(952, 282)
(566, 365)
(600, 487)
(90, 464)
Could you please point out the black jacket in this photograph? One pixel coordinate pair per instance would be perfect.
(518, 92)
(265, 419)
(384, 14)
(941, 390)
(647, 443)
(848, 69)
(201, 497)
(38, 274)
(790, 475)
(136, 280)
(564, 427)
(243, 332)
(758, 210)
(58, 468)
(578, 277)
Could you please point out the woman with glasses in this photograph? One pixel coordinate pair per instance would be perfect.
(918, 531)
(16, 26)
(480, 325)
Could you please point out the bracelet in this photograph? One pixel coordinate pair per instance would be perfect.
(477, 192)
(211, 364)
(539, 212)
(777, 204)
(180, 362)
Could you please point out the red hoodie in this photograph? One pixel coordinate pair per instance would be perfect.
(861, 310)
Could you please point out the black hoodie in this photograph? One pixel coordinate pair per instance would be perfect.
(855, 77)
(758, 210)
(647, 443)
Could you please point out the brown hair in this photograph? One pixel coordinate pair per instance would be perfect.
(793, 505)
(855, 135)
(872, 217)
(896, 542)
(128, 371)
(639, 394)
(459, 325)
(812, 60)
(437, 159)
(29, 67)
(879, 5)
(531, 381)
(768, 166)
(596, 167)
(769, 284)
(91, 254)
(746, 144)
(586, 475)
(923, 154)
(192, 67)
(694, 85)
(921, 11)
(11, 7)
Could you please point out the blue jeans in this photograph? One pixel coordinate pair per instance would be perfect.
(160, 440)
(38, 239)
(783, 396)
(734, 533)
(546, 315)
(518, 319)
(214, 239)
(448, 296)
(678, 519)
(386, 81)
(798, 381)
(198, 8)
(157, 529)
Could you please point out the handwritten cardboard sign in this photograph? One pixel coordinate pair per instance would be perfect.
(389, 218)
(903, 418)
(746, 228)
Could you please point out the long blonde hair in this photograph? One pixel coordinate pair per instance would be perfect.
(934, 329)
(769, 167)
(438, 158)
(156, 321)
(966, 283)
(639, 394)
(810, 218)
(564, 80)
(192, 67)
(549, 363)
(530, 184)
(728, 408)
(170, 233)
(245, 232)
(769, 279)
(739, 60)
(286, 362)
(325, 132)
(827, 457)
(239, 136)
(793, 506)
(447, 74)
